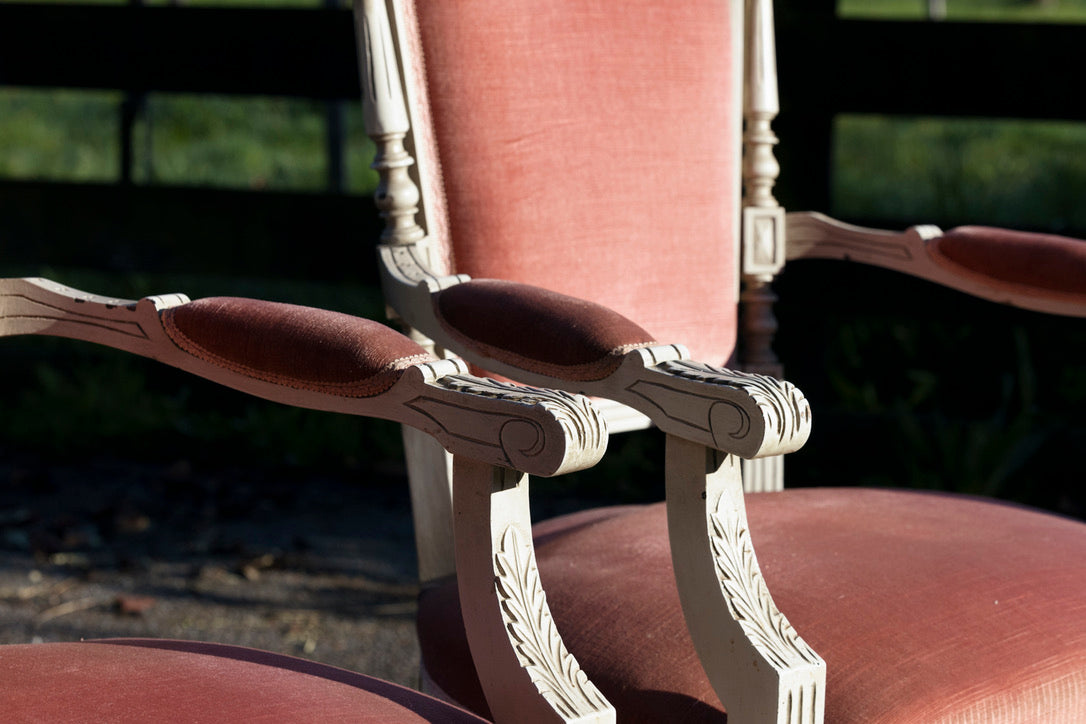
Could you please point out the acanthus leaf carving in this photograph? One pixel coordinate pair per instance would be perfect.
(536, 641)
(747, 595)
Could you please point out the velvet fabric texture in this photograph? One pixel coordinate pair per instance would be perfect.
(588, 148)
(927, 608)
(298, 347)
(1038, 264)
(139, 681)
(538, 330)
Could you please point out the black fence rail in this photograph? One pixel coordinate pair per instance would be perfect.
(827, 66)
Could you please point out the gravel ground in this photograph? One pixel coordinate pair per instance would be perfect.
(313, 565)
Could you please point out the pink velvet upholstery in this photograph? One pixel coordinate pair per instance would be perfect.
(1037, 264)
(141, 681)
(298, 347)
(927, 608)
(537, 329)
(589, 149)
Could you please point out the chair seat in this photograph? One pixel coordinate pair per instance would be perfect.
(142, 680)
(926, 607)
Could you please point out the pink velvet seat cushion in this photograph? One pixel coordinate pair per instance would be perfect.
(1041, 264)
(294, 346)
(927, 608)
(141, 681)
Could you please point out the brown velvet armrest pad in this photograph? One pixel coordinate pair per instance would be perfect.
(538, 330)
(298, 347)
(1037, 264)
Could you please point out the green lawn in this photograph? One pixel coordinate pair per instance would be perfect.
(59, 134)
(230, 142)
(988, 10)
(1029, 174)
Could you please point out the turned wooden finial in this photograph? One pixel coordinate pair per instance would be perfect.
(763, 217)
(760, 106)
(386, 121)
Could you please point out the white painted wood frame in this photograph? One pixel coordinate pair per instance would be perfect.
(703, 409)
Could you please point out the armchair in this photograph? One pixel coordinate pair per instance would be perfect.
(327, 361)
(570, 192)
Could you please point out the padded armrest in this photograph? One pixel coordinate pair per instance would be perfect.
(1042, 272)
(1040, 264)
(297, 347)
(541, 337)
(323, 360)
(538, 330)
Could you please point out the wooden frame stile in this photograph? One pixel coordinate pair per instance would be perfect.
(763, 220)
(527, 673)
(400, 203)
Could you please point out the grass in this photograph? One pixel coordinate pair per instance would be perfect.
(226, 142)
(209, 140)
(1018, 11)
(1028, 174)
(59, 134)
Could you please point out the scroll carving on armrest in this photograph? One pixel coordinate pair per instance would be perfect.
(1042, 272)
(538, 431)
(745, 414)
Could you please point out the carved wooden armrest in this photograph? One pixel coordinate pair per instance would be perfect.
(322, 360)
(541, 337)
(1042, 272)
(754, 659)
(330, 361)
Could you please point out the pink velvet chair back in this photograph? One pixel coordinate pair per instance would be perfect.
(589, 147)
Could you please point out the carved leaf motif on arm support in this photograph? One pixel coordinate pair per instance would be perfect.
(539, 647)
(534, 678)
(748, 597)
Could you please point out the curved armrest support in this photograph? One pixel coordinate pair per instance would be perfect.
(323, 360)
(758, 664)
(1042, 272)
